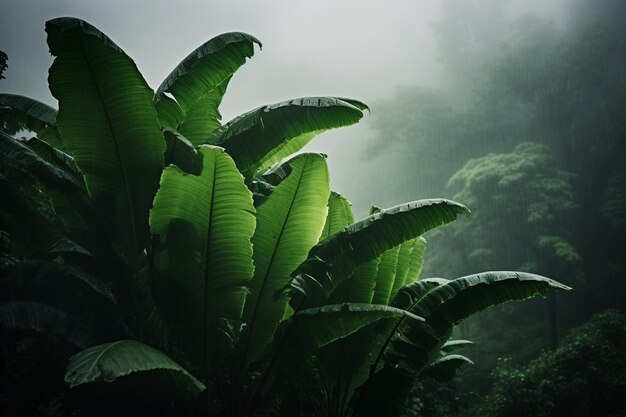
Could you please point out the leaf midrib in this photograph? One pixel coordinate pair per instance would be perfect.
(98, 358)
(124, 174)
(269, 267)
(206, 267)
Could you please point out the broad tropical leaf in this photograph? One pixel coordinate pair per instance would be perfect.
(311, 329)
(339, 215)
(416, 261)
(385, 275)
(46, 318)
(55, 157)
(110, 361)
(336, 258)
(182, 153)
(198, 84)
(109, 125)
(58, 282)
(204, 257)
(289, 223)
(446, 367)
(452, 345)
(57, 176)
(446, 303)
(20, 112)
(264, 136)
(402, 267)
(323, 325)
(360, 287)
(34, 225)
(414, 345)
(345, 363)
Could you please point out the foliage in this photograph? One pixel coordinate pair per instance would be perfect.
(156, 244)
(555, 204)
(523, 184)
(3, 64)
(583, 377)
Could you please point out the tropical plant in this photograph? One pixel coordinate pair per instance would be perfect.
(175, 251)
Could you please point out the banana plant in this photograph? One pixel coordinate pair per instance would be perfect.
(207, 254)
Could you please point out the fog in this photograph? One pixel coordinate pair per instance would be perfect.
(512, 107)
(362, 50)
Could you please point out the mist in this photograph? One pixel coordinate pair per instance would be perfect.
(513, 108)
(366, 51)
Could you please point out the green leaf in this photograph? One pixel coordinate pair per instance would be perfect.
(47, 319)
(204, 117)
(385, 275)
(181, 152)
(445, 303)
(311, 329)
(15, 153)
(360, 287)
(416, 261)
(109, 125)
(37, 229)
(452, 345)
(445, 368)
(55, 157)
(339, 215)
(264, 136)
(198, 84)
(289, 223)
(345, 363)
(60, 281)
(25, 113)
(402, 267)
(335, 259)
(204, 257)
(322, 325)
(110, 361)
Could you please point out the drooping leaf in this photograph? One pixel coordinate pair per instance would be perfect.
(345, 363)
(198, 84)
(445, 368)
(25, 113)
(57, 278)
(289, 223)
(43, 165)
(109, 125)
(204, 257)
(446, 303)
(416, 344)
(268, 134)
(55, 157)
(46, 318)
(452, 345)
(182, 153)
(110, 361)
(34, 226)
(338, 256)
(311, 329)
(17, 154)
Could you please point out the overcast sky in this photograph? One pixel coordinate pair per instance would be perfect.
(352, 48)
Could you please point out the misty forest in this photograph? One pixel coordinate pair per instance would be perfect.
(464, 256)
